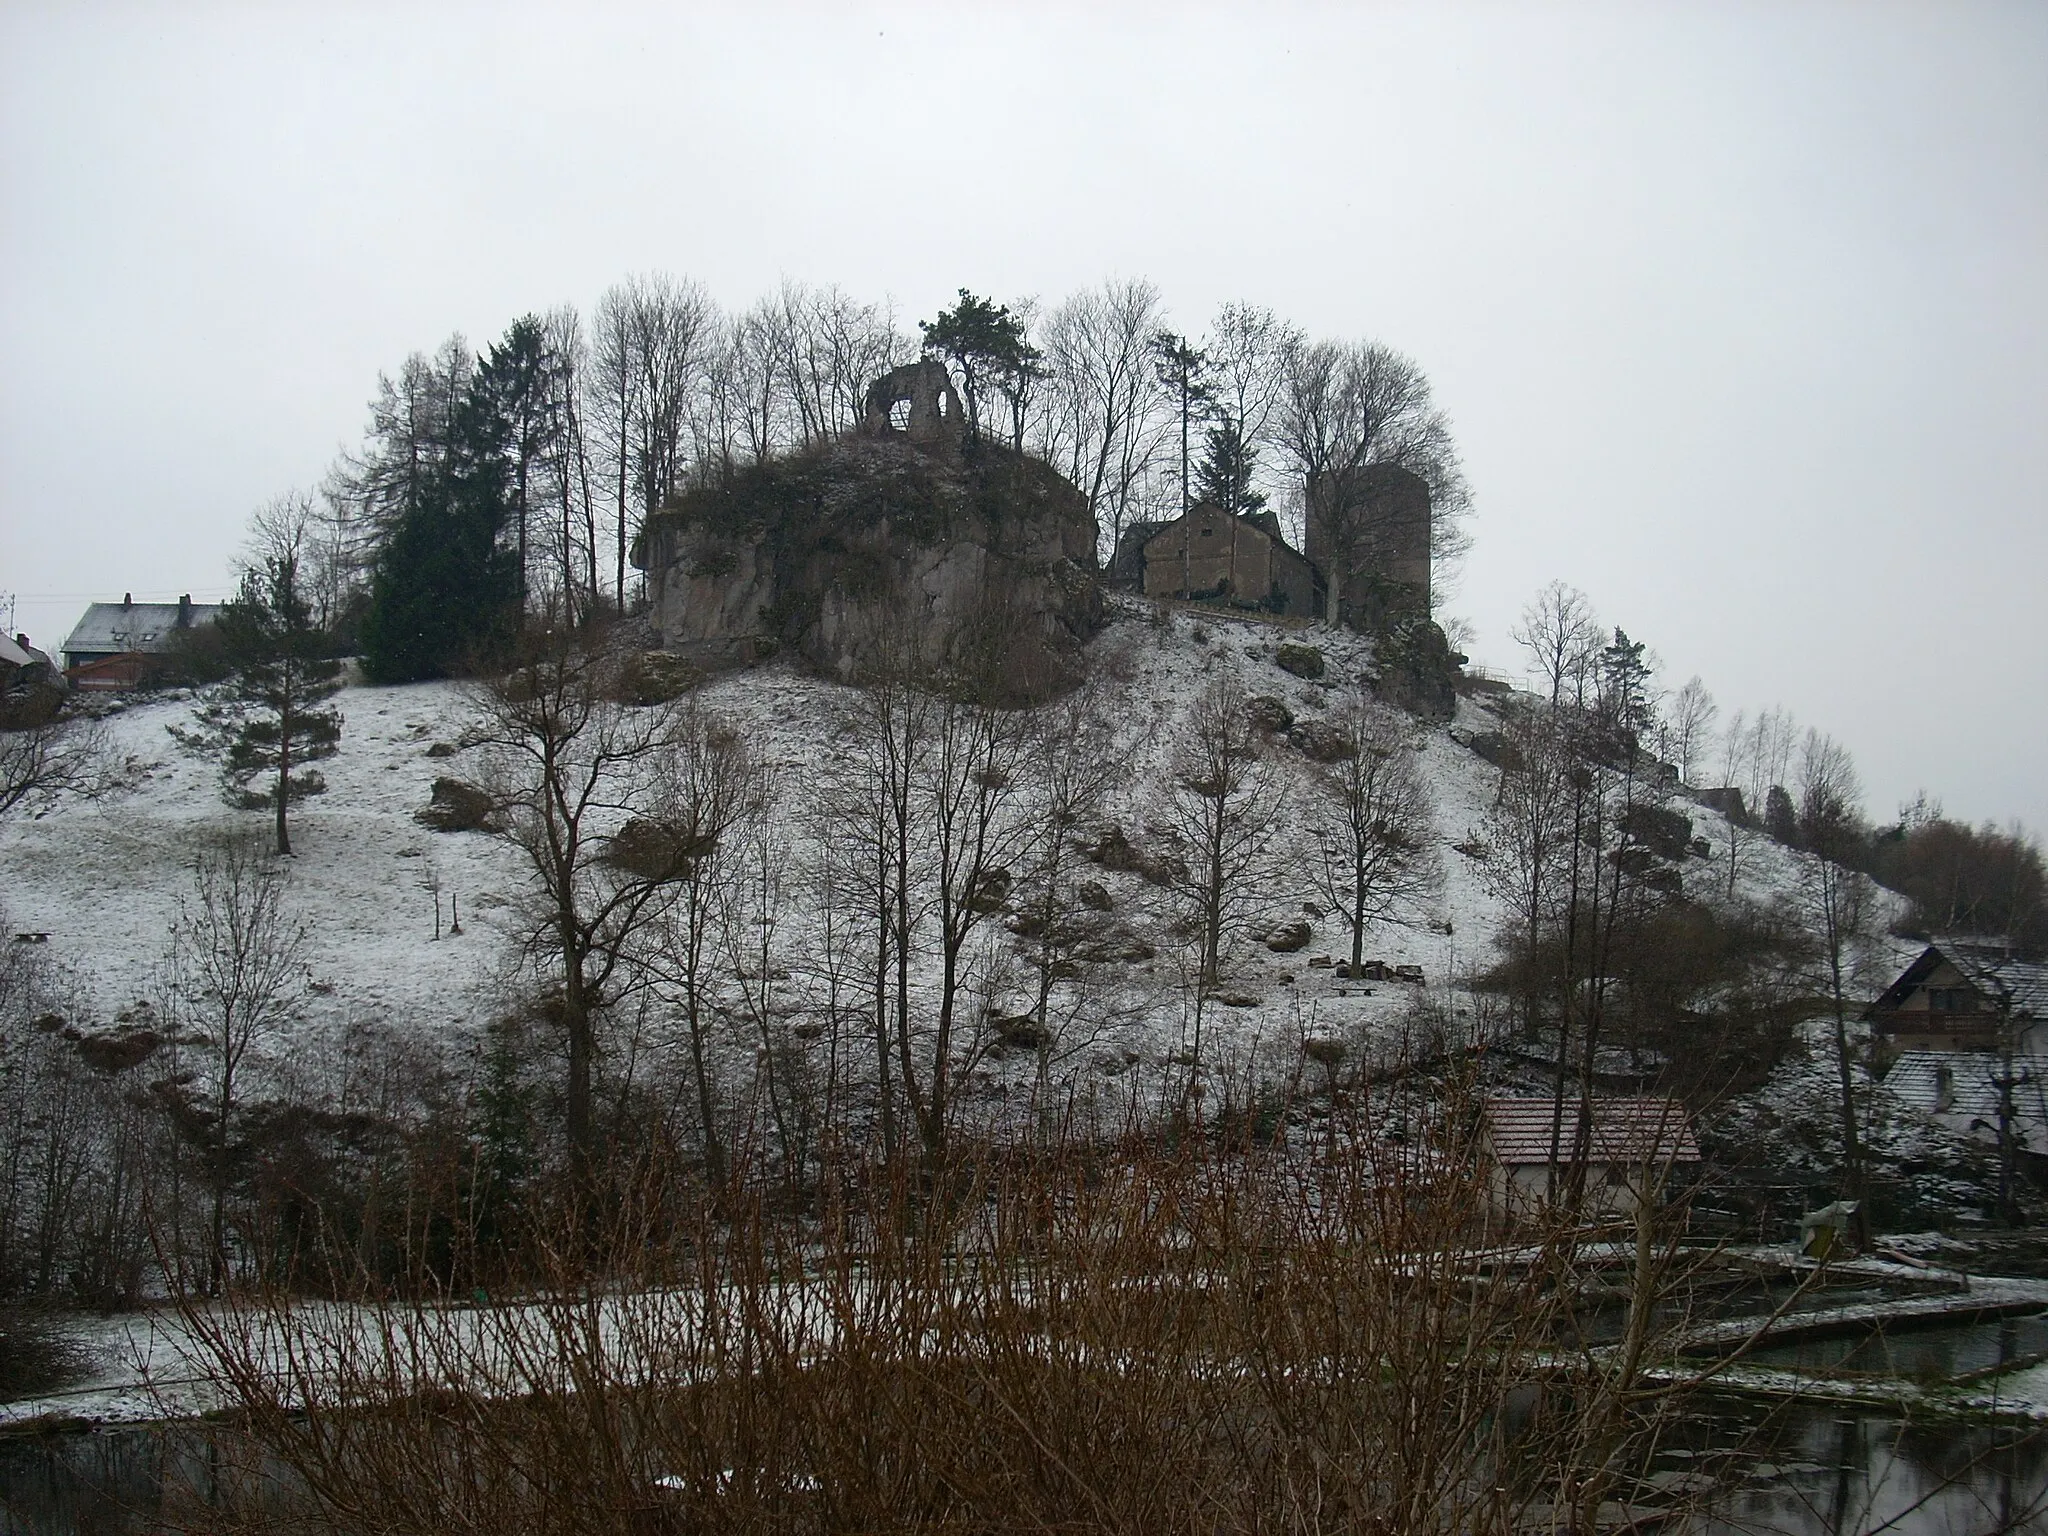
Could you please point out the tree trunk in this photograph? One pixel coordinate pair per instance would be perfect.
(284, 775)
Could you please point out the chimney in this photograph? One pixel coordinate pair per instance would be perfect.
(184, 610)
(127, 599)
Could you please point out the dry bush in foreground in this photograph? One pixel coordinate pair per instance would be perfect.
(1140, 1339)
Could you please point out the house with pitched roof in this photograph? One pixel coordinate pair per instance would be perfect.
(1964, 993)
(113, 645)
(1631, 1150)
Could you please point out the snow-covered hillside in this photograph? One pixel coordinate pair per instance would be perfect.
(104, 879)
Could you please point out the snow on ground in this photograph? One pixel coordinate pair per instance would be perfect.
(104, 880)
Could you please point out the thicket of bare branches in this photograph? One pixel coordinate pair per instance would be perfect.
(1120, 1337)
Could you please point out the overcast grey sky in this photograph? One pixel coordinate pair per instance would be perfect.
(1741, 311)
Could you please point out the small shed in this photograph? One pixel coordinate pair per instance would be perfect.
(112, 646)
(1210, 555)
(1631, 1150)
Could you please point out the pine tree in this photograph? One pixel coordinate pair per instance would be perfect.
(516, 393)
(1184, 370)
(987, 344)
(275, 722)
(1224, 475)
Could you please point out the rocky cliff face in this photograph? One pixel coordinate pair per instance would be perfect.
(834, 552)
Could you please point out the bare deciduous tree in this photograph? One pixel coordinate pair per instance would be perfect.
(1073, 769)
(1839, 905)
(1529, 836)
(568, 766)
(709, 788)
(235, 960)
(1102, 424)
(52, 757)
(1563, 639)
(1689, 725)
(1225, 807)
(1373, 823)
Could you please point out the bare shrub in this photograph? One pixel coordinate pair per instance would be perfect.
(1124, 1337)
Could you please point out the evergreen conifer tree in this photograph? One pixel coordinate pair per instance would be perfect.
(986, 342)
(443, 593)
(516, 392)
(1184, 371)
(274, 722)
(1224, 474)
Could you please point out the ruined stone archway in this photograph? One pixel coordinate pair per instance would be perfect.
(934, 409)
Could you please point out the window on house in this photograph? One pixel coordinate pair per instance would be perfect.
(1208, 533)
(1949, 999)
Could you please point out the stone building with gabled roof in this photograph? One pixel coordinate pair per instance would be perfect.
(1239, 561)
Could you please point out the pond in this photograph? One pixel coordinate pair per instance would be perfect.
(1800, 1470)
(1816, 1471)
(1945, 1352)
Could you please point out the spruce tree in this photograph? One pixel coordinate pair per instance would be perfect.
(274, 722)
(443, 594)
(516, 389)
(1224, 474)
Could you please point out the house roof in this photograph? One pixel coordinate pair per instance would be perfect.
(1960, 1090)
(111, 628)
(1988, 964)
(1962, 1086)
(13, 655)
(1623, 1131)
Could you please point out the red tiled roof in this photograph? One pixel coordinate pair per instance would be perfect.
(1624, 1131)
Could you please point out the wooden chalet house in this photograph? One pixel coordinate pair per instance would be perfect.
(1964, 994)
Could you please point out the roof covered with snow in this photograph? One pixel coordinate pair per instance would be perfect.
(1961, 1089)
(111, 628)
(1988, 964)
(1623, 1131)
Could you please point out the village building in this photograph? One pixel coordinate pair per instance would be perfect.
(1983, 1095)
(114, 645)
(31, 688)
(1633, 1148)
(21, 662)
(1210, 555)
(1964, 994)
